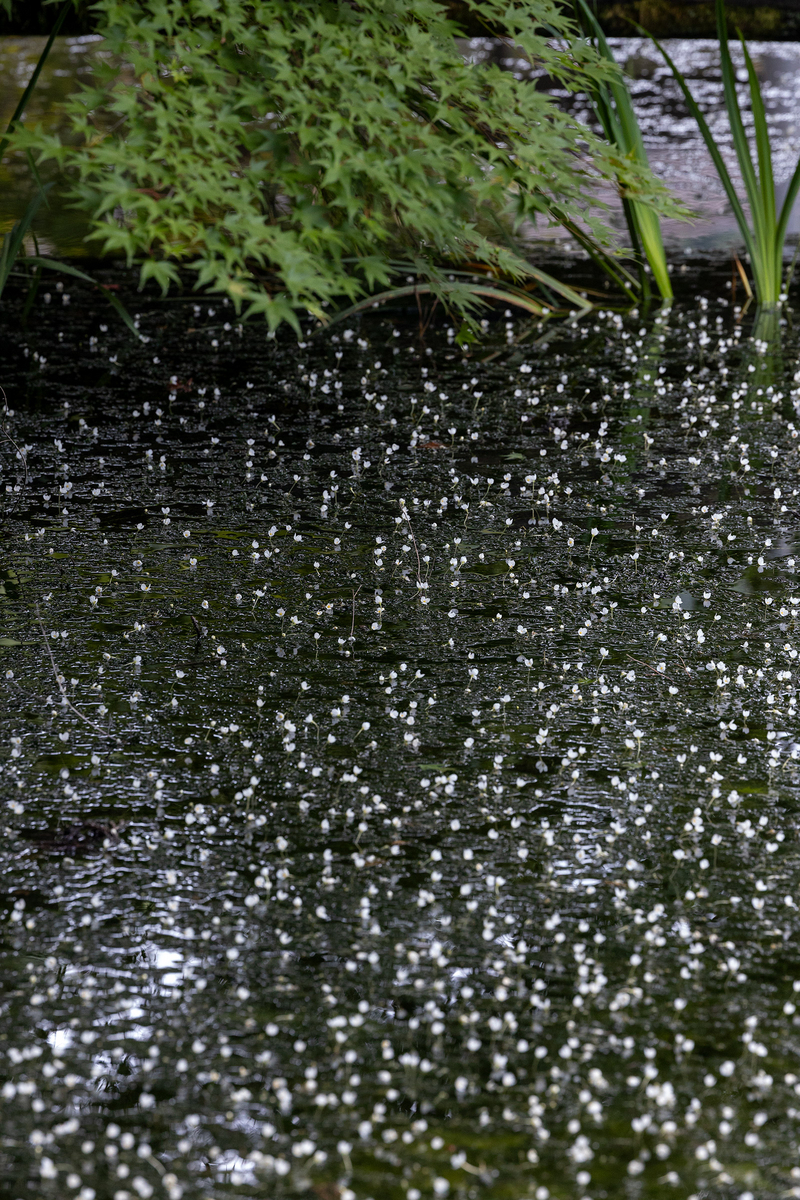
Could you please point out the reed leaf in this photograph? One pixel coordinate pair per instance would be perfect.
(764, 234)
(13, 241)
(615, 112)
(611, 266)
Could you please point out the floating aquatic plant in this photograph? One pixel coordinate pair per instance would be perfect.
(337, 891)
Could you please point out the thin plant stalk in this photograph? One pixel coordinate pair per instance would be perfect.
(34, 79)
(13, 242)
(501, 294)
(611, 266)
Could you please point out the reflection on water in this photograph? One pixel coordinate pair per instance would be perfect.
(432, 728)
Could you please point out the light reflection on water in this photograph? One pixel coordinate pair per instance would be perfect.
(545, 937)
(674, 145)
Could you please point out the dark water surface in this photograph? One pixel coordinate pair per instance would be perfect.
(399, 778)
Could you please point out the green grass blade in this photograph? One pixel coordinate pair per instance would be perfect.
(763, 149)
(13, 240)
(649, 231)
(761, 220)
(549, 281)
(713, 149)
(19, 110)
(607, 117)
(610, 100)
(786, 208)
(772, 262)
(609, 265)
(622, 129)
(633, 226)
(740, 142)
(563, 290)
(424, 289)
(627, 124)
(121, 311)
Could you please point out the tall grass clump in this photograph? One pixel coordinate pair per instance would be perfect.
(612, 105)
(302, 154)
(764, 234)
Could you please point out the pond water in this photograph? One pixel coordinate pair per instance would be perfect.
(399, 773)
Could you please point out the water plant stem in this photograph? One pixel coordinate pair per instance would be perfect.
(62, 687)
